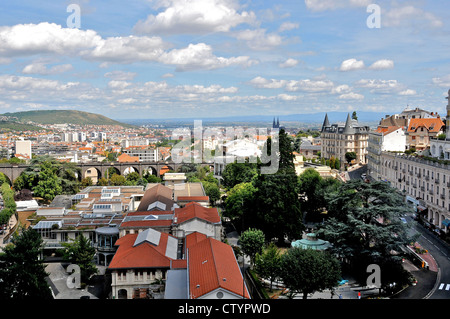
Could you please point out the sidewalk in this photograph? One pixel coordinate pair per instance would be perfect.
(432, 265)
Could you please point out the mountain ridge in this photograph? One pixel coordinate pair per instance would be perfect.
(62, 117)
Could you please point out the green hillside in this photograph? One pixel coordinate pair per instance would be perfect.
(64, 116)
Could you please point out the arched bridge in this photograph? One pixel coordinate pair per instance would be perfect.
(101, 169)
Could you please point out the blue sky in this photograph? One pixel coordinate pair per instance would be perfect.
(209, 58)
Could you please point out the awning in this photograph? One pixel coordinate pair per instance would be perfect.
(421, 208)
(446, 222)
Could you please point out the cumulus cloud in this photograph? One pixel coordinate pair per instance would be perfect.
(352, 64)
(382, 65)
(351, 96)
(408, 92)
(324, 5)
(29, 39)
(195, 17)
(380, 86)
(200, 56)
(289, 63)
(23, 40)
(286, 26)
(259, 39)
(410, 16)
(442, 81)
(41, 69)
(261, 82)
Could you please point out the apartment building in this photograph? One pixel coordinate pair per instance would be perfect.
(144, 153)
(338, 139)
(421, 131)
(384, 139)
(425, 180)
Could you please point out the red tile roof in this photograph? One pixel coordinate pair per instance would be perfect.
(212, 265)
(144, 255)
(431, 124)
(194, 238)
(125, 158)
(195, 210)
(387, 129)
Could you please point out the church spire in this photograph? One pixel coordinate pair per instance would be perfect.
(348, 125)
(326, 123)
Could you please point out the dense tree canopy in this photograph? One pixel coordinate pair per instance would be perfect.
(22, 274)
(364, 224)
(307, 270)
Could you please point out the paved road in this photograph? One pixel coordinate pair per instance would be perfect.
(441, 253)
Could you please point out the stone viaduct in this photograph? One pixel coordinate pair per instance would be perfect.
(12, 171)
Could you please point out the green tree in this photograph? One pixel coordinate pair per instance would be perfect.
(307, 271)
(80, 252)
(252, 242)
(22, 273)
(87, 181)
(364, 224)
(237, 173)
(132, 178)
(350, 156)
(276, 208)
(268, 263)
(212, 191)
(239, 201)
(152, 178)
(49, 184)
(117, 180)
(313, 190)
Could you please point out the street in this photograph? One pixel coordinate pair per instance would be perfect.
(441, 253)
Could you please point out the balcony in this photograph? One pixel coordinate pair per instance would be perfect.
(442, 196)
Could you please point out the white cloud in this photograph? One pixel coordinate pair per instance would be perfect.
(323, 5)
(51, 38)
(126, 49)
(410, 16)
(310, 86)
(29, 39)
(287, 97)
(120, 75)
(261, 82)
(382, 65)
(442, 81)
(195, 17)
(408, 92)
(380, 86)
(200, 56)
(352, 64)
(351, 96)
(41, 68)
(287, 26)
(289, 63)
(258, 39)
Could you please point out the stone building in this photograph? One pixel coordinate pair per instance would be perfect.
(338, 139)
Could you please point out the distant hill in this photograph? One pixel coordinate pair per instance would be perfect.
(64, 116)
